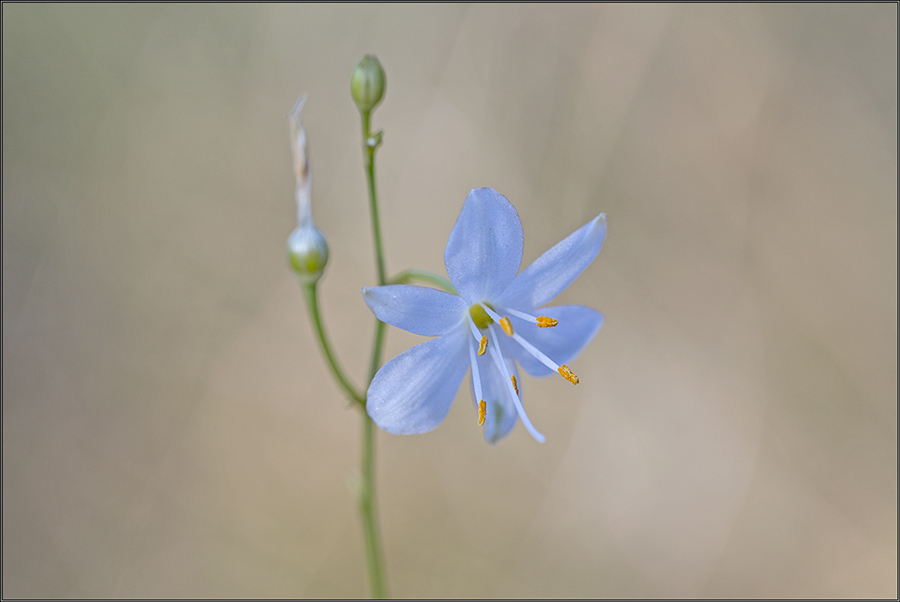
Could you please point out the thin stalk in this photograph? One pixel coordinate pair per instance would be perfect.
(370, 143)
(368, 512)
(312, 302)
(430, 277)
(367, 487)
(377, 346)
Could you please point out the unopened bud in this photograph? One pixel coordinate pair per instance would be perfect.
(307, 253)
(306, 247)
(367, 83)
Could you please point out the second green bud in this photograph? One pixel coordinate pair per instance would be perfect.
(367, 83)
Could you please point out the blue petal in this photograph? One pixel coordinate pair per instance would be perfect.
(561, 343)
(484, 251)
(501, 413)
(412, 393)
(416, 309)
(553, 271)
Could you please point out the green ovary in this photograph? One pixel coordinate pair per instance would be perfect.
(479, 316)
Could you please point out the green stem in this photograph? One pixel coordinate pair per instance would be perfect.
(370, 143)
(377, 347)
(430, 277)
(367, 510)
(312, 301)
(367, 487)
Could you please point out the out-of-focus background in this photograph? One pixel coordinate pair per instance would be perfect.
(170, 430)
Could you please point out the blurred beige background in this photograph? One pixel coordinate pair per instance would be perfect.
(169, 428)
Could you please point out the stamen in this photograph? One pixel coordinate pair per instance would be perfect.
(482, 412)
(536, 353)
(521, 315)
(497, 355)
(476, 377)
(568, 374)
(515, 384)
(483, 347)
(475, 332)
(541, 321)
(563, 370)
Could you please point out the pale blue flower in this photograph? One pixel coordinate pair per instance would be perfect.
(491, 326)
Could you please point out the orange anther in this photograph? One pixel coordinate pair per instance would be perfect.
(515, 384)
(507, 327)
(568, 374)
(545, 322)
(482, 412)
(483, 346)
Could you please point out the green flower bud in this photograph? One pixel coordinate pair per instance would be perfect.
(307, 253)
(367, 83)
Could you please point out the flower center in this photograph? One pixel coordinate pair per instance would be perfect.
(480, 316)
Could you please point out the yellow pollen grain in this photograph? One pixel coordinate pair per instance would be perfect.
(515, 384)
(545, 322)
(482, 412)
(507, 327)
(483, 347)
(568, 374)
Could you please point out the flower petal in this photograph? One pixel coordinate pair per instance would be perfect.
(416, 309)
(484, 251)
(553, 271)
(501, 413)
(412, 393)
(561, 343)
